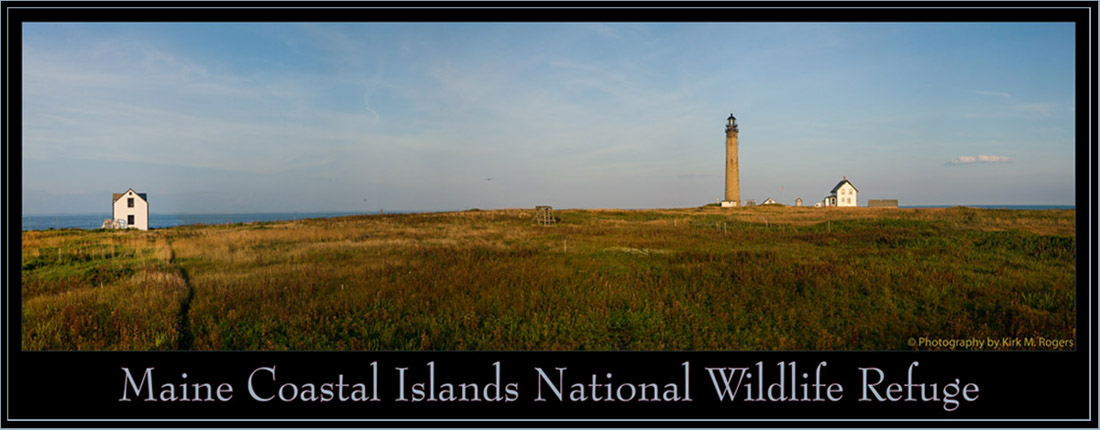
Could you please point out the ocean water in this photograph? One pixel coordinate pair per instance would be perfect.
(91, 221)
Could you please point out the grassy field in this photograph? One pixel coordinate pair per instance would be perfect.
(759, 278)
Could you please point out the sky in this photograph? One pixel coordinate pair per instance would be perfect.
(312, 117)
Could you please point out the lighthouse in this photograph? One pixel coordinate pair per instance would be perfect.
(733, 183)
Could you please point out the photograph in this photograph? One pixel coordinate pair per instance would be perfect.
(501, 186)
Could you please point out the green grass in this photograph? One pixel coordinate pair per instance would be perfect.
(760, 278)
(99, 290)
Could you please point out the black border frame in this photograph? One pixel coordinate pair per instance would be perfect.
(1041, 396)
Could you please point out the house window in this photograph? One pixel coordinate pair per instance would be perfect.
(130, 202)
(129, 220)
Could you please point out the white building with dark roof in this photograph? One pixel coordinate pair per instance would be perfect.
(844, 194)
(131, 208)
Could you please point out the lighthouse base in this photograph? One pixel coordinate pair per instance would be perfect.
(730, 203)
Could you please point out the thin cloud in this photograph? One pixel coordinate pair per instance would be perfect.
(1039, 108)
(117, 106)
(992, 93)
(606, 30)
(694, 176)
(977, 159)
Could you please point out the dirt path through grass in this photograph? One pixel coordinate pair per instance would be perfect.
(186, 338)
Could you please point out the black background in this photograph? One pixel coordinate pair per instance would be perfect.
(1055, 388)
(88, 385)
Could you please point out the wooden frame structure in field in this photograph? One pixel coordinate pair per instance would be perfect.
(544, 215)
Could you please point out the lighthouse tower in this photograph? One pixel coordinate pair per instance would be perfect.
(733, 183)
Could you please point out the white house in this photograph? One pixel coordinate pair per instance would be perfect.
(131, 209)
(842, 195)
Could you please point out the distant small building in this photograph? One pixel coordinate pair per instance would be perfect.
(750, 203)
(544, 215)
(130, 210)
(798, 201)
(843, 195)
(818, 204)
(769, 201)
(882, 203)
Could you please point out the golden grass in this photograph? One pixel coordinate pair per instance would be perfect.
(697, 278)
(104, 291)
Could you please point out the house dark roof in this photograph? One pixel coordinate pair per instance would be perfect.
(841, 183)
(116, 196)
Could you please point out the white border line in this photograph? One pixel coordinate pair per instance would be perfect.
(555, 419)
(1092, 216)
(1089, 209)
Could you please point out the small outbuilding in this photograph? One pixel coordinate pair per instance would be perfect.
(130, 210)
(798, 201)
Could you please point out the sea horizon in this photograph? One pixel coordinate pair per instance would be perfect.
(90, 221)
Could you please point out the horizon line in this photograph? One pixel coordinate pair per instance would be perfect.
(374, 211)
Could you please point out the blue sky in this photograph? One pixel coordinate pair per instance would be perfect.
(358, 117)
